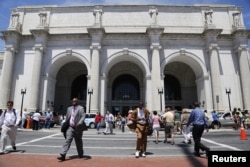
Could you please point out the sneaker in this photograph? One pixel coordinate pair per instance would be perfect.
(143, 155)
(172, 143)
(189, 142)
(14, 148)
(137, 154)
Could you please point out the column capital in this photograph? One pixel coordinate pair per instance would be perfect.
(11, 38)
(155, 47)
(39, 48)
(212, 47)
(241, 48)
(95, 47)
(11, 49)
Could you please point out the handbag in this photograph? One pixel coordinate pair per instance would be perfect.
(131, 125)
(149, 131)
(83, 127)
(65, 126)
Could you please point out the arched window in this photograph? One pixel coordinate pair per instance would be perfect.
(79, 87)
(125, 87)
(172, 88)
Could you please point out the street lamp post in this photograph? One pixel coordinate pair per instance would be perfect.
(23, 92)
(160, 91)
(90, 92)
(228, 92)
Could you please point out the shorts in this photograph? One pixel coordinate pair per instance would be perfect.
(156, 128)
(169, 128)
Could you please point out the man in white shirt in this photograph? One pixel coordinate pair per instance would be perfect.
(9, 121)
(109, 119)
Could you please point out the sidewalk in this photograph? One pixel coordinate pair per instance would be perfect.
(28, 160)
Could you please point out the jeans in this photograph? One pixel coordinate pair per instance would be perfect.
(98, 125)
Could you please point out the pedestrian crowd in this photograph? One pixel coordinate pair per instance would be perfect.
(139, 121)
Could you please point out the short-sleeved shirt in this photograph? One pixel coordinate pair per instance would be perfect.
(168, 117)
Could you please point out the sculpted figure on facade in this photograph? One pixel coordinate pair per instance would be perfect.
(98, 16)
(153, 14)
(208, 17)
(236, 19)
(15, 24)
(43, 18)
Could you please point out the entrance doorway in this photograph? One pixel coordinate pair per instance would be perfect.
(125, 94)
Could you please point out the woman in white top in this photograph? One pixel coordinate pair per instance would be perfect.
(156, 125)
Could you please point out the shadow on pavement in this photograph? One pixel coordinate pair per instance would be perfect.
(192, 159)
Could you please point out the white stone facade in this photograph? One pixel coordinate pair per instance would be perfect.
(203, 46)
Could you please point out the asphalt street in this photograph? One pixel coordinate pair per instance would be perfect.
(122, 144)
(41, 148)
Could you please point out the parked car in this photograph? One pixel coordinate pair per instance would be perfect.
(225, 120)
(90, 120)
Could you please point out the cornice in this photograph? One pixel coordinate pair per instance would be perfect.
(39, 32)
(155, 30)
(212, 32)
(181, 36)
(96, 31)
(10, 33)
(241, 33)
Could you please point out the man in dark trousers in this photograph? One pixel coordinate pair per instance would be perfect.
(197, 117)
(75, 115)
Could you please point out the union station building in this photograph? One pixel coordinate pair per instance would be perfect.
(113, 57)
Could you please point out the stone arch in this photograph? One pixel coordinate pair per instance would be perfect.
(52, 67)
(197, 65)
(51, 71)
(201, 75)
(120, 56)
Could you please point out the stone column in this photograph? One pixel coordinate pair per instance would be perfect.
(103, 94)
(213, 50)
(154, 35)
(241, 49)
(11, 39)
(96, 35)
(39, 48)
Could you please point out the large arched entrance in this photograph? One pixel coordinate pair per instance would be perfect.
(124, 87)
(71, 81)
(179, 85)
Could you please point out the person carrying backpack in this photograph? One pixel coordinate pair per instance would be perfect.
(9, 121)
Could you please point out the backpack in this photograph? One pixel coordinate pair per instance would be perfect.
(14, 114)
(13, 111)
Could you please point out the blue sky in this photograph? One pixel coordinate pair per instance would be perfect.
(7, 5)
